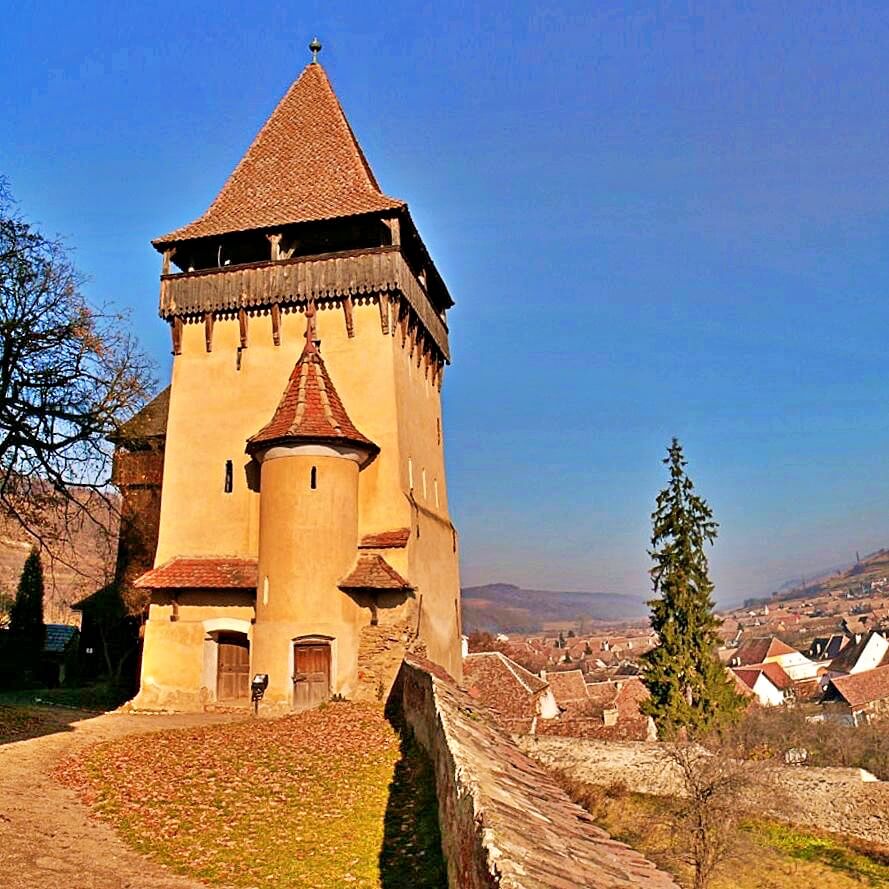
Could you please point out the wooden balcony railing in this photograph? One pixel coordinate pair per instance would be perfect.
(328, 276)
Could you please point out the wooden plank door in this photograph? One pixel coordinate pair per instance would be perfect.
(233, 668)
(311, 673)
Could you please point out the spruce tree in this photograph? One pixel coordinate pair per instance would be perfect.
(26, 626)
(690, 692)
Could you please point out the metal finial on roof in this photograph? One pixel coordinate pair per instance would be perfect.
(315, 47)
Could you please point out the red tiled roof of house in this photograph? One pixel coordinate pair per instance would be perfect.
(396, 539)
(755, 651)
(310, 409)
(502, 685)
(772, 671)
(859, 689)
(373, 572)
(305, 165)
(776, 674)
(201, 574)
(567, 685)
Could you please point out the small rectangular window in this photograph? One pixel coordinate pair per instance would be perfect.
(229, 476)
(313, 480)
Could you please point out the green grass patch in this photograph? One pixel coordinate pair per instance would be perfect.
(794, 843)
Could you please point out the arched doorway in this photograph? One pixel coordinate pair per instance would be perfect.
(232, 666)
(311, 671)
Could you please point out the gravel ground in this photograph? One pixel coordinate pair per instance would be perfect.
(47, 839)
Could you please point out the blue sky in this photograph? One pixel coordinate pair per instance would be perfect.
(656, 219)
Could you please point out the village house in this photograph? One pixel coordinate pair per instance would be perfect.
(865, 653)
(302, 528)
(770, 685)
(771, 649)
(858, 699)
(516, 697)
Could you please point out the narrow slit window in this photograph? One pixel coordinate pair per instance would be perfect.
(229, 476)
(313, 478)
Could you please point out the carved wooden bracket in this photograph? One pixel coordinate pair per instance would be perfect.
(208, 330)
(347, 311)
(242, 325)
(276, 324)
(176, 331)
(384, 312)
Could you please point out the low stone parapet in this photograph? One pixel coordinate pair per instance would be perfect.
(504, 821)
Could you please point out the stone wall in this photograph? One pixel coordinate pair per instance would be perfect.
(842, 801)
(505, 823)
(381, 649)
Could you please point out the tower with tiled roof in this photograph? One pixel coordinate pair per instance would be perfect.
(304, 527)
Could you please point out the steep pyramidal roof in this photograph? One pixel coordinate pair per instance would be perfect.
(311, 409)
(305, 165)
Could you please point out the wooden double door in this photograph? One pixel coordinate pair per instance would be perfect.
(311, 673)
(233, 667)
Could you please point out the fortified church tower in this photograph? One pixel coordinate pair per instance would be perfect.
(304, 528)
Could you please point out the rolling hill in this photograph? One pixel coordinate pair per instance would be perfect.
(506, 608)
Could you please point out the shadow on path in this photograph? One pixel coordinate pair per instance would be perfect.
(411, 855)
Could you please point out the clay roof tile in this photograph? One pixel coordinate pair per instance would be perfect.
(373, 572)
(305, 165)
(201, 574)
(310, 409)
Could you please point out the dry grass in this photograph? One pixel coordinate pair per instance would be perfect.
(317, 799)
(768, 854)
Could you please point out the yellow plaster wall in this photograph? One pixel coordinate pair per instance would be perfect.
(215, 406)
(173, 654)
(308, 541)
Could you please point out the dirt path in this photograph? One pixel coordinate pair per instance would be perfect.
(47, 839)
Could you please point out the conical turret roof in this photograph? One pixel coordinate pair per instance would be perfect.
(305, 165)
(311, 410)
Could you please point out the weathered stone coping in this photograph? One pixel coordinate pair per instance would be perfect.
(504, 821)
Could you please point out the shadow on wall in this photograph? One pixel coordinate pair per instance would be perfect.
(411, 854)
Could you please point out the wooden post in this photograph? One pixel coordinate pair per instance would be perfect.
(242, 325)
(176, 331)
(276, 324)
(347, 311)
(208, 330)
(168, 256)
(384, 312)
(275, 242)
(394, 226)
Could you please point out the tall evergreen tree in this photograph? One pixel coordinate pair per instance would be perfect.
(689, 689)
(26, 626)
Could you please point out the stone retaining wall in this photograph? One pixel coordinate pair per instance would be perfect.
(504, 822)
(836, 800)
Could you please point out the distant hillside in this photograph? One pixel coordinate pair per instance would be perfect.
(506, 608)
(848, 578)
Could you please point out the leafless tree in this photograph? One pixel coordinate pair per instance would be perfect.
(70, 373)
(715, 790)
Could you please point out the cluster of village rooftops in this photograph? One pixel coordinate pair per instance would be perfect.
(285, 505)
(589, 685)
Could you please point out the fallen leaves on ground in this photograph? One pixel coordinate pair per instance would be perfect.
(300, 801)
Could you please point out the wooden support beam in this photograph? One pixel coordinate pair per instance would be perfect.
(276, 324)
(176, 331)
(384, 312)
(347, 311)
(402, 323)
(275, 243)
(208, 330)
(394, 226)
(242, 326)
(168, 257)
